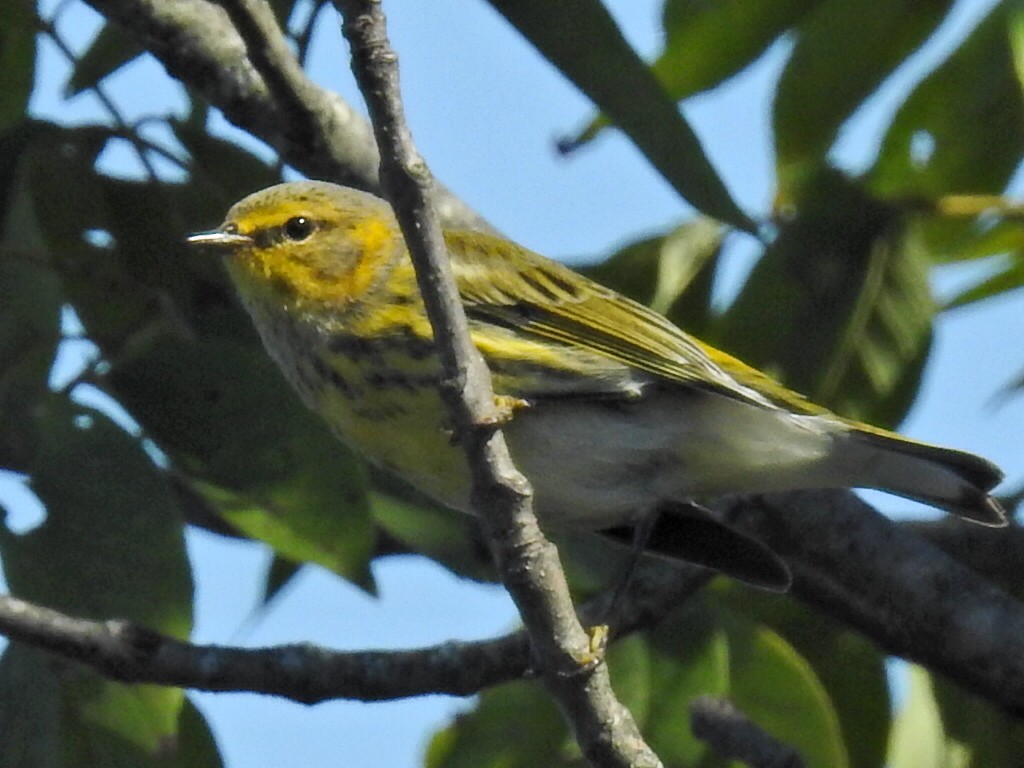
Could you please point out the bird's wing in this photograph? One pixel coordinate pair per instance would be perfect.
(514, 288)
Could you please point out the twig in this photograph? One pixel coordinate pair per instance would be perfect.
(305, 673)
(734, 736)
(197, 43)
(528, 563)
(50, 29)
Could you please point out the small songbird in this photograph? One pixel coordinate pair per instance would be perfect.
(623, 414)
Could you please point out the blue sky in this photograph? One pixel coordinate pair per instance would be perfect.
(485, 110)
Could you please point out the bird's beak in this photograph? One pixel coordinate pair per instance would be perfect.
(218, 238)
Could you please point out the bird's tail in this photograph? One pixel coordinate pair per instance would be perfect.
(956, 481)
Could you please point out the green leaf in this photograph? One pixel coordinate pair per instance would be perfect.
(111, 547)
(30, 304)
(45, 723)
(986, 736)
(99, 486)
(858, 687)
(223, 413)
(839, 307)
(931, 150)
(1008, 278)
(658, 674)
(660, 271)
(17, 60)
(451, 538)
(582, 40)
(111, 49)
(30, 709)
(918, 739)
(708, 42)
(513, 726)
(194, 746)
(777, 689)
(228, 171)
(842, 54)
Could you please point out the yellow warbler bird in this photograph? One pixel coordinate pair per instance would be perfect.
(625, 414)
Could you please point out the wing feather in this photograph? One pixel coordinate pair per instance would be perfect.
(515, 288)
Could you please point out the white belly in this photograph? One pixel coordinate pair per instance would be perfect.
(597, 464)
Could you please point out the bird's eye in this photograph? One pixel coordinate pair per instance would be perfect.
(298, 228)
(230, 228)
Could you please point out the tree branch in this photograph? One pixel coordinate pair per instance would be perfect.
(313, 130)
(528, 563)
(907, 595)
(305, 673)
(734, 736)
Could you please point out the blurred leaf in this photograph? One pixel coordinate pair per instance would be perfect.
(839, 306)
(986, 736)
(918, 739)
(932, 149)
(777, 689)
(450, 538)
(1010, 277)
(228, 171)
(659, 271)
(1015, 29)
(279, 575)
(99, 486)
(858, 688)
(111, 546)
(223, 413)
(194, 746)
(44, 724)
(658, 674)
(582, 40)
(30, 305)
(109, 50)
(708, 42)
(842, 54)
(30, 709)
(515, 725)
(17, 60)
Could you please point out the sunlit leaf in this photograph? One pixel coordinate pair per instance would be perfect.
(962, 128)
(918, 739)
(776, 688)
(843, 52)
(582, 40)
(659, 271)
(858, 688)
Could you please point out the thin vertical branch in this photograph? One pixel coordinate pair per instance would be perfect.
(529, 564)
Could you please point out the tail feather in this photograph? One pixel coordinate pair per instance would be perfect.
(953, 480)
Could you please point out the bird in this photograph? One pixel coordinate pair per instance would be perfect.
(620, 414)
